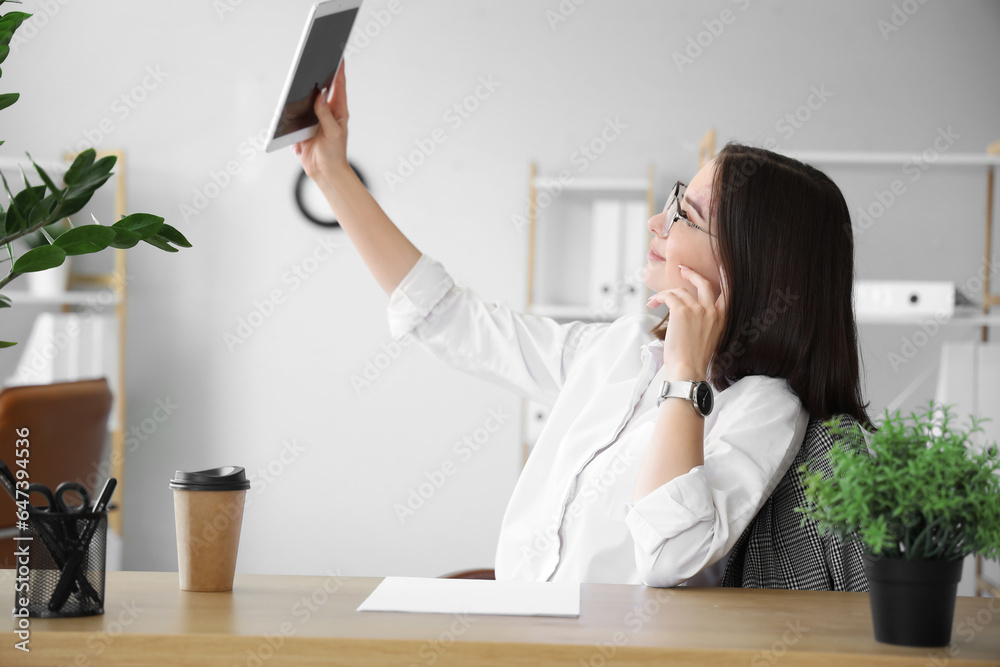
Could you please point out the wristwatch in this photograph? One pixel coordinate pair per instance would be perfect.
(699, 393)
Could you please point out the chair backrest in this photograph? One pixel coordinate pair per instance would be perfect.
(775, 551)
(68, 427)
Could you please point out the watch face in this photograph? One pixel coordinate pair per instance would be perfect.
(703, 394)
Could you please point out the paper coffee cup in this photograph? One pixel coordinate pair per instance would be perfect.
(208, 515)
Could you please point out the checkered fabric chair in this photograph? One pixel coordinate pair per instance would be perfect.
(776, 552)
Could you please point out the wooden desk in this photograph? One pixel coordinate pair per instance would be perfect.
(298, 620)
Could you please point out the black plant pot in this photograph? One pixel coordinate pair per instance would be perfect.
(913, 601)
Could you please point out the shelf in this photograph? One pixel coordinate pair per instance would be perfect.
(964, 316)
(73, 298)
(617, 184)
(559, 310)
(898, 158)
(51, 167)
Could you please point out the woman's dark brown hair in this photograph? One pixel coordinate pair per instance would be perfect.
(789, 266)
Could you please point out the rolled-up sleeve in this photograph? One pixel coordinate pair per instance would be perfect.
(530, 355)
(693, 520)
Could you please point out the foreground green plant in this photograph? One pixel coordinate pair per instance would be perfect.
(923, 493)
(35, 207)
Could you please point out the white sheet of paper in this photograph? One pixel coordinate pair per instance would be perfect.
(475, 596)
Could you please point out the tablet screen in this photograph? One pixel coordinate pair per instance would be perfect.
(320, 59)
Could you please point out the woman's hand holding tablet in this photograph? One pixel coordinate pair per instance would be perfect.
(326, 150)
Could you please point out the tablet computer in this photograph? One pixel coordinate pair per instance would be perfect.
(317, 59)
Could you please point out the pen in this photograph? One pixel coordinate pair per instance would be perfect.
(61, 592)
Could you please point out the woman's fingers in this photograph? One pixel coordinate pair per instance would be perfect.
(340, 93)
(678, 293)
(322, 109)
(706, 296)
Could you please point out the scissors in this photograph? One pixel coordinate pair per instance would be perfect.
(55, 500)
(64, 534)
(57, 504)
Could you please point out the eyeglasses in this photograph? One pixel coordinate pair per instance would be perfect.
(672, 209)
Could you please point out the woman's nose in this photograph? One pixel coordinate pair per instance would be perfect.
(655, 225)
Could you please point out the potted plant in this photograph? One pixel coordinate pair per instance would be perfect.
(920, 498)
(36, 207)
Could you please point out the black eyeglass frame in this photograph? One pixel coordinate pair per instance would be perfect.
(676, 194)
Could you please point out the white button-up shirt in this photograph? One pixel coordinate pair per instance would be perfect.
(570, 517)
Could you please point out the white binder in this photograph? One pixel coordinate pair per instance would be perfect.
(605, 253)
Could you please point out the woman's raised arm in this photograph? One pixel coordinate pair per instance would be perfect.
(388, 254)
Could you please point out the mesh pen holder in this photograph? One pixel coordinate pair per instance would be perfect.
(65, 576)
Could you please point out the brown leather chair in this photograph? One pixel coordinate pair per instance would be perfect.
(67, 424)
(470, 574)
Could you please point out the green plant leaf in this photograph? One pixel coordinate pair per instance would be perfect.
(160, 243)
(29, 202)
(11, 20)
(71, 206)
(5, 36)
(39, 259)
(170, 234)
(87, 187)
(144, 225)
(85, 239)
(45, 177)
(7, 99)
(15, 221)
(79, 167)
(124, 238)
(6, 343)
(4, 52)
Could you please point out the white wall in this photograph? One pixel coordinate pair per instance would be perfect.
(331, 507)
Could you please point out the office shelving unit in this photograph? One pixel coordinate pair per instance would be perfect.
(637, 187)
(90, 289)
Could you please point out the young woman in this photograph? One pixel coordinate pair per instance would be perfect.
(662, 442)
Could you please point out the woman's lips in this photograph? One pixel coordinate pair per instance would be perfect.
(652, 256)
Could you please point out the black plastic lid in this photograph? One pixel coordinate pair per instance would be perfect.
(226, 478)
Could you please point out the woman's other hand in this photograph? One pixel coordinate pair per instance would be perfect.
(694, 327)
